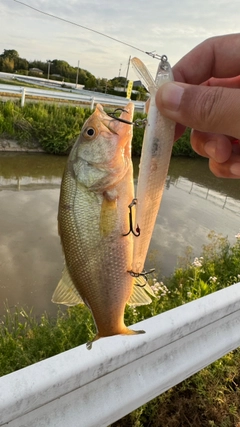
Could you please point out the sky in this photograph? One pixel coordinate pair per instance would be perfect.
(169, 27)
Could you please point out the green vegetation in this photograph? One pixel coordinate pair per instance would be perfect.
(55, 127)
(24, 340)
(183, 147)
(11, 62)
(209, 398)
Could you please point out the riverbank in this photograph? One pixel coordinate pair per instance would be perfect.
(9, 145)
(209, 398)
(53, 129)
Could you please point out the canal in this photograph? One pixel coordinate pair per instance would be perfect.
(194, 203)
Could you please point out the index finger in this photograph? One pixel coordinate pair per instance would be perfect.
(215, 57)
(233, 82)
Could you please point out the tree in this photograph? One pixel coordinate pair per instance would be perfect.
(8, 65)
(118, 81)
(22, 64)
(11, 54)
(82, 77)
(39, 64)
(61, 67)
(142, 93)
(91, 83)
(11, 61)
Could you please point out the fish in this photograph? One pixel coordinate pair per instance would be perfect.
(154, 163)
(93, 221)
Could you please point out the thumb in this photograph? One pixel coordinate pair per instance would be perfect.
(207, 109)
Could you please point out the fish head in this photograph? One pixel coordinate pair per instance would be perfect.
(103, 148)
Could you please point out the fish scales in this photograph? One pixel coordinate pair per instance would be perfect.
(95, 260)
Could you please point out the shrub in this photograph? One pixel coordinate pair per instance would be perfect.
(56, 127)
(182, 146)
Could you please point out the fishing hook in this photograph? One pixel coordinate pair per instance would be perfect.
(138, 122)
(142, 274)
(131, 230)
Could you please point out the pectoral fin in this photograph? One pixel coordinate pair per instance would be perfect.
(141, 291)
(65, 292)
(108, 216)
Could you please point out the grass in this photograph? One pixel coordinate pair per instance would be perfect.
(55, 128)
(25, 340)
(208, 398)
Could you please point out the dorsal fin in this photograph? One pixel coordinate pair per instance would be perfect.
(66, 292)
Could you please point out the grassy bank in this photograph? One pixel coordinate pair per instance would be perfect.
(55, 127)
(209, 398)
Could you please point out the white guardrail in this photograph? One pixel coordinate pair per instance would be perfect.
(79, 96)
(82, 388)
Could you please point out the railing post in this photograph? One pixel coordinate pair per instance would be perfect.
(92, 103)
(23, 97)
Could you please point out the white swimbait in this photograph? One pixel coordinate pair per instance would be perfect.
(154, 163)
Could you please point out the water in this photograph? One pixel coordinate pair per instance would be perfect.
(194, 202)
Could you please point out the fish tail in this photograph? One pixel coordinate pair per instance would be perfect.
(89, 343)
(125, 331)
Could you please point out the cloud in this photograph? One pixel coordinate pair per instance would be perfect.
(166, 26)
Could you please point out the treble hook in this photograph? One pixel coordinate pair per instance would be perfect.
(142, 274)
(131, 230)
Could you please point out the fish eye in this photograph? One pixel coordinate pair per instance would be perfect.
(90, 132)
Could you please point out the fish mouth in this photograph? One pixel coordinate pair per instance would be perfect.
(117, 125)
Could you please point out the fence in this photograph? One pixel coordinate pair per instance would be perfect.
(79, 96)
(200, 190)
(95, 388)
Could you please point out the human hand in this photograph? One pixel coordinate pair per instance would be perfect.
(206, 97)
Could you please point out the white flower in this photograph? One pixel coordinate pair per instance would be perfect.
(238, 276)
(197, 262)
(237, 236)
(189, 294)
(154, 289)
(159, 286)
(213, 279)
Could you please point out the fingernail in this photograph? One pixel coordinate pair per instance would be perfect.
(235, 169)
(171, 95)
(210, 148)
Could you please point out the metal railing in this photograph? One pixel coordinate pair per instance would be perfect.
(95, 388)
(77, 96)
(220, 200)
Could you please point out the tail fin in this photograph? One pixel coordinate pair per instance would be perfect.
(125, 331)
